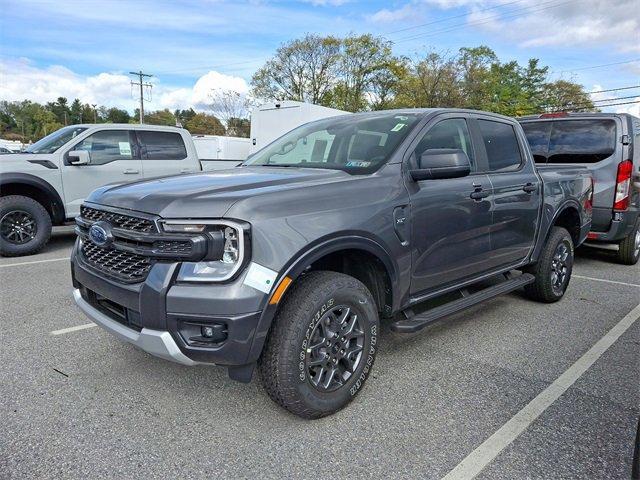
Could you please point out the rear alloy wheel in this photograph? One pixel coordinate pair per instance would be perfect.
(322, 344)
(25, 226)
(629, 250)
(553, 268)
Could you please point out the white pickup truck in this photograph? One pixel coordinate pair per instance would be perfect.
(46, 184)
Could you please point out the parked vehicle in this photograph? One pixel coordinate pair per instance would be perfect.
(46, 184)
(290, 262)
(222, 152)
(272, 120)
(4, 151)
(608, 144)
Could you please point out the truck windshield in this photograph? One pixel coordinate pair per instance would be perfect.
(357, 144)
(55, 140)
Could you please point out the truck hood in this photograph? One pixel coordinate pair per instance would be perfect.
(210, 194)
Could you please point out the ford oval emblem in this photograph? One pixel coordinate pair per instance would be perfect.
(100, 234)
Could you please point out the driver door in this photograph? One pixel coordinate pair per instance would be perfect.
(450, 230)
(114, 158)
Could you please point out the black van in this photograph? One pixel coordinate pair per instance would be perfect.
(608, 144)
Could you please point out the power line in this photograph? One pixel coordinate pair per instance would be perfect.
(141, 84)
(441, 20)
(600, 66)
(521, 12)
(614, 89)
(614, 99)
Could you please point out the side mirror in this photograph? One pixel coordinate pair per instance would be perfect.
(442, 163)
(79, 157)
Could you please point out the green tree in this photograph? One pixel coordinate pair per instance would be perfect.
(563, 95)
(184, 116)
(76, 112)
(363, 61)
(304, 70)
(116, 115)
(160, 117)
(203, 124)
(239, 127)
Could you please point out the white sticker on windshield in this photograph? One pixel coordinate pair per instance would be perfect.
(125, 149)
(358, 164)
(398, 127)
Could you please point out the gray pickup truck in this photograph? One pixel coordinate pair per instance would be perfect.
(289, 261)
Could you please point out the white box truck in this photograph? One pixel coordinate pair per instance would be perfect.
(222, 152)
(274, 119)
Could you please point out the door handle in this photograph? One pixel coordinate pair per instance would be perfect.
(530, 187)
(479, 194)
(131, 171)
(186, 170)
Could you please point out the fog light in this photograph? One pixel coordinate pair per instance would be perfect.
(207, 332)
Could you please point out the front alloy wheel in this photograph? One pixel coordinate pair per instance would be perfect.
(335, 349)
(18, 227)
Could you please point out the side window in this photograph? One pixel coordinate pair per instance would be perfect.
(538, 134)
(161, 145)
(451, 133)
(107, 146)
(501, 144)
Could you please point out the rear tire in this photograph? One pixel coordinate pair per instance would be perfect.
(629, 250)
(322, 345)
(25, 226)
(553, 268)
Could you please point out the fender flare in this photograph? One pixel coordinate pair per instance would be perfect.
(569, 203)
(311, 253)
(17, 178)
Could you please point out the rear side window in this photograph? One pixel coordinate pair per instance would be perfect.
(538, 134)
(161, 145)
(501, 144)
(571, 141)
(582, 141)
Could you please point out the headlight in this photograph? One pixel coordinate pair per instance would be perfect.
(226, 253)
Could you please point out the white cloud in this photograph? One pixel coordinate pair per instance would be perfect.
(22, 80)
(391, 16)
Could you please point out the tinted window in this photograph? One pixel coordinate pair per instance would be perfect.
(107, 146)
(581, 141)
(452, 133)
(538, 137)
(501, 144)
(162, 145)
(55, 140)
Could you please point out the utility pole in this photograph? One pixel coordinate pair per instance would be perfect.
(95, 112)
(141, 84)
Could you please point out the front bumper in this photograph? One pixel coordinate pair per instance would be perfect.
(160, 315)
(156, 342)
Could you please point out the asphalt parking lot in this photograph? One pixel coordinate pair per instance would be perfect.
(81, 404)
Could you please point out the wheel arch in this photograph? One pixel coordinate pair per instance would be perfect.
(36, 188)
(566, 216)
(319, 252)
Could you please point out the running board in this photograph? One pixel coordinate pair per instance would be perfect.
(417, 322)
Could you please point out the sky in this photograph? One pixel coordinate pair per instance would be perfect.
(87, 48)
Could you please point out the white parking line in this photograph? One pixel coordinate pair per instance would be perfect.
(73, 329)
(477, 460)
(33, 262)
(606, 281)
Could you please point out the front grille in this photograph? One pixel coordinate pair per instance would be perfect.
(118, 220)
(177, 247)
(126, 266)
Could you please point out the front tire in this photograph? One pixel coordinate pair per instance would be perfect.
(322, 345)
(629, 250)
(553, 268)
(25, 226)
